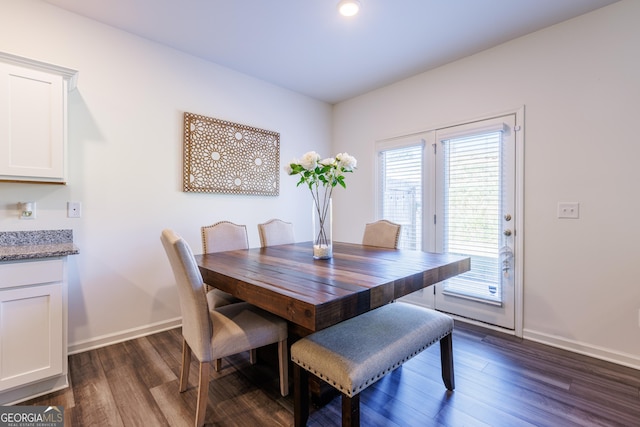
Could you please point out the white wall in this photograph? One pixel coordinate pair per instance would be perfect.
(125, 160)
(579, 82)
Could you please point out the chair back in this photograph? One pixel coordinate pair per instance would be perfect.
(196, 324)
(382, 233)
(275, 232)
(224, 236)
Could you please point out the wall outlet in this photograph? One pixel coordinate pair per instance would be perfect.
(74, 209)
(27, 210)
(570, 210)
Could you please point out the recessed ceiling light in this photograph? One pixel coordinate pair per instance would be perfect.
(349, 7)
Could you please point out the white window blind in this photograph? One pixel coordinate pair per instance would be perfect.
(472, 211)
(401, 192)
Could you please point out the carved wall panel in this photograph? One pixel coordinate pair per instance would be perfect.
(231, 158)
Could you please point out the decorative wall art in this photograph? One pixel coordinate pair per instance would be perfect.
(225, 157)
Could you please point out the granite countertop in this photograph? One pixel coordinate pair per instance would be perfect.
(19, 245)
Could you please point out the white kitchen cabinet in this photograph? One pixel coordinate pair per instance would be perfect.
(33, 328)
(33, 119)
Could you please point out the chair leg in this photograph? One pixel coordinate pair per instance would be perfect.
(186, 362)
(446, 359)
(283, 367)
(253, 356)
(351, 411)
(300, 396)
(217, 365)
(203, 394)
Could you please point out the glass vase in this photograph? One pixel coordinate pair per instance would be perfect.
(321, 222)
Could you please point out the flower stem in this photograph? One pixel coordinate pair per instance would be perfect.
(322, 209)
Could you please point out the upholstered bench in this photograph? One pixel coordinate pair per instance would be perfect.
(354, 354)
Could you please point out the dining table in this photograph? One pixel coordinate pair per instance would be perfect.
(313, 294)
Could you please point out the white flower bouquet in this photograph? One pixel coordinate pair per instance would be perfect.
(321, 176)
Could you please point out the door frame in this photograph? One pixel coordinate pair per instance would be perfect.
(519, 223)
(518, 226)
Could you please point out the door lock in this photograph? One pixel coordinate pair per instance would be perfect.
(507, 232)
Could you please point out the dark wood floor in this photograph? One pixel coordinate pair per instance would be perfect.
(500, 381)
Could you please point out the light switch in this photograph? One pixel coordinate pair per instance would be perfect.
(570, 210)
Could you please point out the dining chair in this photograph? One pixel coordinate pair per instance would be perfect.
(275, 232)
(224, 236)
(219, 237)
(212, 333)
(382, 233)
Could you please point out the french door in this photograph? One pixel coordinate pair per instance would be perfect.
(475, 216)
(463, 183)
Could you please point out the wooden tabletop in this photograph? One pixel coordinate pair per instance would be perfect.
(314, 294)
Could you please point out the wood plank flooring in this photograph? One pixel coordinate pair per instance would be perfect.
(500, 381)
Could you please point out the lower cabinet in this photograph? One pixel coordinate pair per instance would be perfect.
(33, 328)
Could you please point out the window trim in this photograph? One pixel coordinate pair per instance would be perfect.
(381, 146)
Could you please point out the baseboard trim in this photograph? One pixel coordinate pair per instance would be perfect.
(624, 359)
(126, 335)
(602, 353)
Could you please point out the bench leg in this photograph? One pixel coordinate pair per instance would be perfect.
(446, 359)
(351, 411)
(300, 396)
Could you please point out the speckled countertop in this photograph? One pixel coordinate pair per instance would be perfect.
(17, 245)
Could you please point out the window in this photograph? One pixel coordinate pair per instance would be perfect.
(472, 211)
(400, 190)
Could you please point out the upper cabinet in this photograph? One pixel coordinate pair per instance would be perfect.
(33, 119)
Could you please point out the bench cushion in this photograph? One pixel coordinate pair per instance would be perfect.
(355, 353)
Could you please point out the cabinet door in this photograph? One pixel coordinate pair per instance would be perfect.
(31, 334)
(32, 129)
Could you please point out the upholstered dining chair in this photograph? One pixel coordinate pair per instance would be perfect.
(382, 233)
(224, 236)
(275, 232)
(219, 237)
(212, 333)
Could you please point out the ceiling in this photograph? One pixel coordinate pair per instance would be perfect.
(307, 47)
